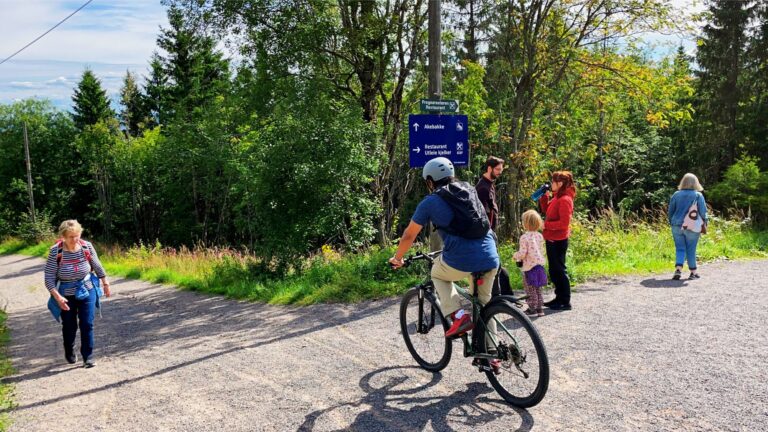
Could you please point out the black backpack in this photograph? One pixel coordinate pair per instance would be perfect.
(469, 218)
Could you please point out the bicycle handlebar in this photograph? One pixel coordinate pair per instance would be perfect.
(421, 256)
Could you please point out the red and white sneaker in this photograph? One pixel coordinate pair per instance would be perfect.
(460, 326)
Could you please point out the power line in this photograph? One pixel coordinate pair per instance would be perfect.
(49, 30)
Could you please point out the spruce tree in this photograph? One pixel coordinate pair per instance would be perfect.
(721, 58)
(91, 103)
(133, 117)
(155, 89)
(196, 72)
(757, 107)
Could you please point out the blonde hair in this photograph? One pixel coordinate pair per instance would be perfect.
(532, 221)
(70, 225)
(690, 181)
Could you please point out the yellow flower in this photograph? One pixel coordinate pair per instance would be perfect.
(329, 254)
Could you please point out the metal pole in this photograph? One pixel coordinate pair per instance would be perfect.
(29, 175)
(435, 52)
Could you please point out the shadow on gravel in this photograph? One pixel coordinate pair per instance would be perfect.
(143, 317)
(664, 283)
(398, 399)
(586, 289)
(25, 272)
(548, 311)
(40, 266)
(44, 372)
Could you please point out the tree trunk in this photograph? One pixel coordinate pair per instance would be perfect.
(102, 192)
(600, 154)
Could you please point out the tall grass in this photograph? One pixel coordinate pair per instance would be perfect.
(617, 245)
(612, 245)
(326, 277)
(6, 369)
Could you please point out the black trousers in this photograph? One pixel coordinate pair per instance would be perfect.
(558, 272)
(501, 284)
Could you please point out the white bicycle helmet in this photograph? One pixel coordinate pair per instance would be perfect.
(438, 168)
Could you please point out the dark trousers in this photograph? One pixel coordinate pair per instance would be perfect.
(501, 285)
(83, 311)
(558, 272)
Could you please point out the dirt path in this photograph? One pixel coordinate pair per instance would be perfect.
(641, 353)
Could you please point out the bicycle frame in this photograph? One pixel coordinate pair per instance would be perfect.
(428, 288)
(469, 348)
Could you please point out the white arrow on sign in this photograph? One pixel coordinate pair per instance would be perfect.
(416, 126)
(417, 149)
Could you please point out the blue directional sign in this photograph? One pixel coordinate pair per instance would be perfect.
(432, 135)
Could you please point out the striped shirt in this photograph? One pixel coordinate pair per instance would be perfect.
(74, 266)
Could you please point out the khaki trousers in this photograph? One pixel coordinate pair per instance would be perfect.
(443, 276)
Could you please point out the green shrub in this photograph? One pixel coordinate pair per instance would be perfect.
(744, 188)
(39, 230)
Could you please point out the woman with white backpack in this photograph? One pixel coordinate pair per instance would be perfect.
(688, 217)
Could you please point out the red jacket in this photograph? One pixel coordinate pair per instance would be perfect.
(558, 211)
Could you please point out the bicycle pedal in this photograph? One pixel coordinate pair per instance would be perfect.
(480, 366)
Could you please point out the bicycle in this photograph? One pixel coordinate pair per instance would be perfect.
(515, 341)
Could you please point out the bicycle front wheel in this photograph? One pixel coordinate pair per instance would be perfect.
(423, 327)
(524, 376)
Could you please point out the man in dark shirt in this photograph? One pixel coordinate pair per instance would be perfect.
(486, 189)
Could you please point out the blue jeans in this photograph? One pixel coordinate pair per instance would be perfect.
(685, 246)
(83, 311)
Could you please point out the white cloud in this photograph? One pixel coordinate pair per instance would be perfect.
(25, 84)
(107, 36)
(118, 31)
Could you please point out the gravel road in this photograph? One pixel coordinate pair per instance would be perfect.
(638, 353)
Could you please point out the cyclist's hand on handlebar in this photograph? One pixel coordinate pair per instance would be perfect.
(396, 263)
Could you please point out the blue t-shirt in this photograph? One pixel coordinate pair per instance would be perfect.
(469, 255)
(681, 201)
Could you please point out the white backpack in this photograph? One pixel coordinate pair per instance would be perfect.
(692, 221)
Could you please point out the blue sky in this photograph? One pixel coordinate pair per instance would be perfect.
(109, 37)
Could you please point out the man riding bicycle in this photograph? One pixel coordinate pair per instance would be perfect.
(469, 246)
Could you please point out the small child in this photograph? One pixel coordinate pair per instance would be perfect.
(532, 257)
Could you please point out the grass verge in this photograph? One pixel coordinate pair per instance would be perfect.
(608, 247)
(6, 369)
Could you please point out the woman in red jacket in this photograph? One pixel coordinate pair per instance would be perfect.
(557, 228)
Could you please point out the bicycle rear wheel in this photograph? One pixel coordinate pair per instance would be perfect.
(524, 377)
(423, 327)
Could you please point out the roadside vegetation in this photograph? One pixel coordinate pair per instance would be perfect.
(6, 369)
(611, 246)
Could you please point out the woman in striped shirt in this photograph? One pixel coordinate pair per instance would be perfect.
(69, 266)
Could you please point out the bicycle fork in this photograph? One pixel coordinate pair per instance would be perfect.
(424, 325)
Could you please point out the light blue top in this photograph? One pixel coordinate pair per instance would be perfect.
(468, 255)
(681, 201)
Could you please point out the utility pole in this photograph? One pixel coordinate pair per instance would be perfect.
(435, 52)
(435, 84)
(29, 175)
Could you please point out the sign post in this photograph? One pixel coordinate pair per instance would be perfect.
(431, 136)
